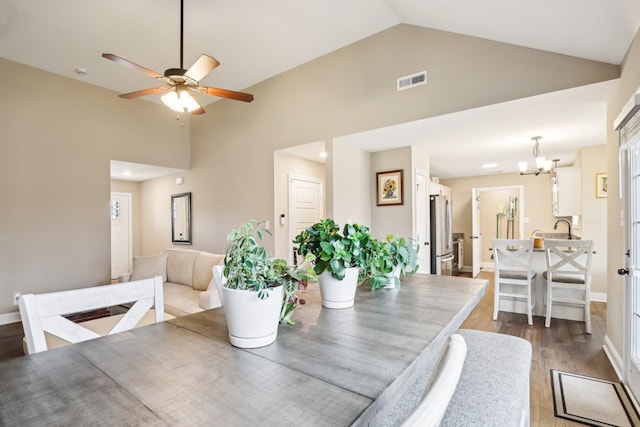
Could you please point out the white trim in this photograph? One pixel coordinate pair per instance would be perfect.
(129, 197)
(598, 296)
(7, 318)
(613, 356)
(628, 110)
(291, 232)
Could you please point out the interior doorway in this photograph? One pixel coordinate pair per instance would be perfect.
(306, 206)
(496, 213)
(121, 233)
(630, 192)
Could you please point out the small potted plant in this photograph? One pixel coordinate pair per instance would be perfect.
(258, 290)
(339, 259)
(393, 258)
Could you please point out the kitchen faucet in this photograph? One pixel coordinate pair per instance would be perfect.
(555, 227)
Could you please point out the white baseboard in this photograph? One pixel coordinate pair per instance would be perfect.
(9, 317)
(599, 296)
(614, 358)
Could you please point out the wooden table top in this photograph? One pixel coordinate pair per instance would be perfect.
(332, 368)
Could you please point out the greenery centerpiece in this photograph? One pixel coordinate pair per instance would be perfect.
(393, 258)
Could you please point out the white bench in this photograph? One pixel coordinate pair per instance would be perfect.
(493, 388)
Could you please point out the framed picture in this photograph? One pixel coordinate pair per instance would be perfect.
(389, 188)
(601, 185)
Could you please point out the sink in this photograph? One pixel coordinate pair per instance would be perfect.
(560, 236)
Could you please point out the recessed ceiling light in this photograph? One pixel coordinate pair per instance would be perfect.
(126, 173)
(81, 71)
(489, 165)
(323, 154)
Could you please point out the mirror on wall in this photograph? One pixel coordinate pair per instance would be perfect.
(181, 218)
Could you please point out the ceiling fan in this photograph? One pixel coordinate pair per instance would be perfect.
(180, 82)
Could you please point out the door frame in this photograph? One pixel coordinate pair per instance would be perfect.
(129, 197)
(290, 232)
(475, 221)
(423, 251)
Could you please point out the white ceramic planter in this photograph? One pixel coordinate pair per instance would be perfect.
(339, 293)
(394, 273)
(252, 322)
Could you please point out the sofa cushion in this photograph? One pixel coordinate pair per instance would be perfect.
(145, 267)
(180, 266)
(180, 300)
(202, 271)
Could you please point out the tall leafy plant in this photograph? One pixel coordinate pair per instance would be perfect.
(247, 265)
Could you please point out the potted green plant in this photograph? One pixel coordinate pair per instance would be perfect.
(259, 291)
(395, 257)
(339, 258)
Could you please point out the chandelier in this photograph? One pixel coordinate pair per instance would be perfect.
(542, 165)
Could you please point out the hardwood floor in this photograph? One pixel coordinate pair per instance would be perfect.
(564, 346)
(11, 341)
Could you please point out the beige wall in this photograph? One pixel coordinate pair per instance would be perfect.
(58, 137)
(594, 212)
(626, 87)
(349, 184)
(351, 90)
(394, 219)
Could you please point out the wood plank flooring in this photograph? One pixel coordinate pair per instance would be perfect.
(564, 346)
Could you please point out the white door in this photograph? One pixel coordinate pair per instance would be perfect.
(422, 223)
(631, 185)
(305, 206)
(476, 236)
(120, 234)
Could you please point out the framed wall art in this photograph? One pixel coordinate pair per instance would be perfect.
(389, 188)
(601, 185)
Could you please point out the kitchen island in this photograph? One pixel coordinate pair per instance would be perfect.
(539, 285)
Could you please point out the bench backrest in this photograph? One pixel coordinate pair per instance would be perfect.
(45, 312)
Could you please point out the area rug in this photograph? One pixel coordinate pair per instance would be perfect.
(592, 401)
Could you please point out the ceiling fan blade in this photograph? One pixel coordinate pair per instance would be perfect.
(127, 63)
(203, 66)
(224, 93)
(144, 92)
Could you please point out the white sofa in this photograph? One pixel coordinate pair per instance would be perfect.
(187, 276)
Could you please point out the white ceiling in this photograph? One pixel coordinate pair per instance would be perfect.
(257, 40)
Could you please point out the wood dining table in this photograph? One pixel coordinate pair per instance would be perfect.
(333, 367)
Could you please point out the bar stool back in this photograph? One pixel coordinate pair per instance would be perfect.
(568, 267)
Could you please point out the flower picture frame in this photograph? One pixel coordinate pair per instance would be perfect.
(601, 185)
(389, 188)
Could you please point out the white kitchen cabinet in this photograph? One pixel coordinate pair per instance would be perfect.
(566, 192)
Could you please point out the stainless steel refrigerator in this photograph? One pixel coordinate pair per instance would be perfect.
(441, 234)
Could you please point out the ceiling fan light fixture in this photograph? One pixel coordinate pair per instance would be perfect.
(180, 101)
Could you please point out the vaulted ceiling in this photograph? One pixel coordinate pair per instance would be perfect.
(256, 40)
